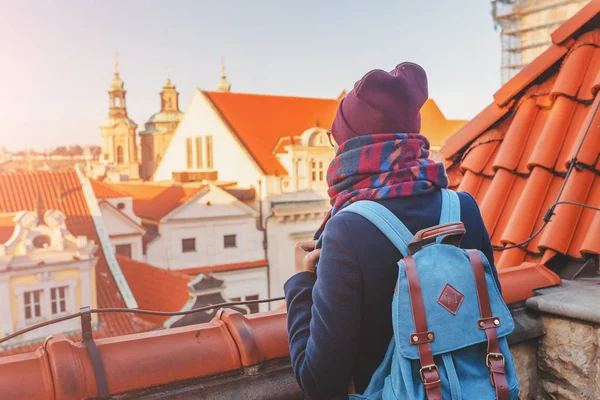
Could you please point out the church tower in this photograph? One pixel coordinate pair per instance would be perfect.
(119, 150)
(159, 129)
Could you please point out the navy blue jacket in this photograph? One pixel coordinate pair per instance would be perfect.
(340, 320)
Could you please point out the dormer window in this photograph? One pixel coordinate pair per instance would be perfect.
(41, 242)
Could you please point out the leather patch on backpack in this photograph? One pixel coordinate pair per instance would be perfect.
(450, 299)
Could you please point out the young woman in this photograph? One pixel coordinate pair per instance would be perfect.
(339, 317)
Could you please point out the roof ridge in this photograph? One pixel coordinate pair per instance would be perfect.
(211, 92)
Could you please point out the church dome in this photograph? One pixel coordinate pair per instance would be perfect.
(161, 121)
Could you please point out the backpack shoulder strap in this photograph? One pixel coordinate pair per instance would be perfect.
(385, 221)
(450, 207)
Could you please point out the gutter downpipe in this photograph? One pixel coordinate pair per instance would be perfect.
(263, 228)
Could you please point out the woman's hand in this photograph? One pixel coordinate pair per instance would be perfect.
(306, 256)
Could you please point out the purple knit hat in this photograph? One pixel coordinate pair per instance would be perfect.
(383, 102)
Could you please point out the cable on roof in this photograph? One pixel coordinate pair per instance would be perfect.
(137, 311)
(550, 212)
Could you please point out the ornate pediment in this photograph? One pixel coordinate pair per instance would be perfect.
(48, 241)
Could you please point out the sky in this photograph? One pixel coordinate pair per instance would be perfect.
(57, 56)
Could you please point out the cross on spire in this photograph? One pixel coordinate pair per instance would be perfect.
(116, 62)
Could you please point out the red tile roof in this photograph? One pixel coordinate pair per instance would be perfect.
(224, 267)
(435, 126)
(153, 201)
(155, 288)
(61, 190)
(7, 226)
(106, 191)
(260, 121)
(230, 342)
(513, 158)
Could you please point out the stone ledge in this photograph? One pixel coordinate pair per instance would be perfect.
(573, 299)
(528, 325)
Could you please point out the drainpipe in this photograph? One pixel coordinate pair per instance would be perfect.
(263, 228)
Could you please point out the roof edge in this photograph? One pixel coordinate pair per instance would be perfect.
(576, 22)
(232, 130)
(105, 246)
(473, 128)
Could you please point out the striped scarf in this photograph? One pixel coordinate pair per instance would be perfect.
(382, 166)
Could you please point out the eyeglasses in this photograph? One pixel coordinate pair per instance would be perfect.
(331, 139)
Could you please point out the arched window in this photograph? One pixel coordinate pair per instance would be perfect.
(119, 154)
(117, 102)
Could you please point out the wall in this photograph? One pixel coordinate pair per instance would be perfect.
(230, 157)
(137, 251)
(80, 291)
(207, 217)
(121, 229)
(241, 283)
(165, 251)
(568, 359)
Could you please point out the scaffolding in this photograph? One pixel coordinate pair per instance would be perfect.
(526, 26)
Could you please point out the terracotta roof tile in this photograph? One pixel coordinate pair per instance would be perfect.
(155, 288)
(61, 190)
(581, 18)
(230, 342)
(154, 201)
(259, 121)
(107, 191)
(224, 267)
(7, 226)
(513, 158)
(291, 116)
(435, 126)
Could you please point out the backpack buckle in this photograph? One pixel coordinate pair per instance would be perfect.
(430, 367)
(497, 356)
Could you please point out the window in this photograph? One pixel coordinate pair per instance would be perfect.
(321, 171)
(189, 154)
(58, 300)
(121, 206)
(209, 152)
(253, 307)
(119, 154)
(188, 245)
(41, 241)
(229, 241)
(32, 302)
(123, 249)
(199, 161)
(317, 171)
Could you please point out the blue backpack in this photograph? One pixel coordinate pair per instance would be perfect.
(454, 346)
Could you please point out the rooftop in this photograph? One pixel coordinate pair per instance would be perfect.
(290, 116)
(544, 111)
(62, 190)
(155, 288)
(107, 191)
(155, 201)
(514, 158)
